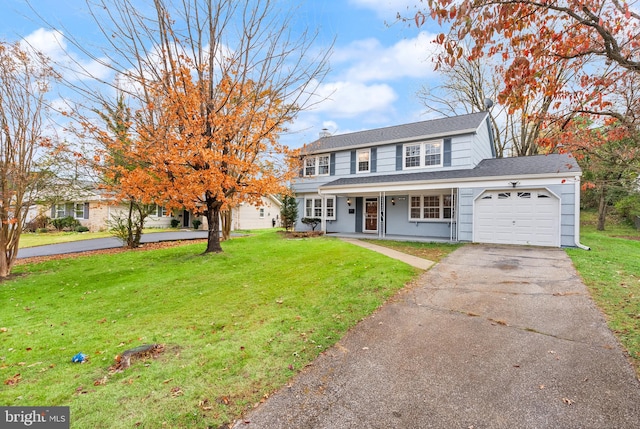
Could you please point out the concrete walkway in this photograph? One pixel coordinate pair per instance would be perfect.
(423, 264)
(490, 337)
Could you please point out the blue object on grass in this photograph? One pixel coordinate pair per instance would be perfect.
(79, 358)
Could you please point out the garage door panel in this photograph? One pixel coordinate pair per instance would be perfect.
(517, 217)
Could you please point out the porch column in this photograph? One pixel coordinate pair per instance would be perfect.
(383, 214)
(323, 221)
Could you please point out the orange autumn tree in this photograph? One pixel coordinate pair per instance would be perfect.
(595, 41)
(212, 83)
(202, 153)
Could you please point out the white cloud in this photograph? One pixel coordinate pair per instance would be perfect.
(370, 61)
(52, 44)
(350, 99)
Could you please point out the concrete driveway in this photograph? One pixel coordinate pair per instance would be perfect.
(491, 337)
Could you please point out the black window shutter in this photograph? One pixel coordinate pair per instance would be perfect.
(446, 160)
(398, 157)
(353, 162)
(86, 211)
(332, 164)
(374, 159)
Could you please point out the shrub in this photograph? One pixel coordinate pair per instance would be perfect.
(65, 223)
(81, 228)
(289, 212)
(38, 223)
(175, 223)
(196, 223)
(313, 222)
(629, 207)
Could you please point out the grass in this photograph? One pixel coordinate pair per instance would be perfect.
(236, 326)
(32, 239)
(611, 271)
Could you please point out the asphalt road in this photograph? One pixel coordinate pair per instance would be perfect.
(106, 243)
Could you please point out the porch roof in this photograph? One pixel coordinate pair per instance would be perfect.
(539, 165)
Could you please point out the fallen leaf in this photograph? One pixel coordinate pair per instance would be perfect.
(3, 329)
(176, 391)
(13, 380)
(567, 401)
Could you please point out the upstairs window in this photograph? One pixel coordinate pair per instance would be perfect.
(316, 166)
(363, 157)
(427, 154)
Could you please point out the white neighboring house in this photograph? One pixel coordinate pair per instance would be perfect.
(92, 208)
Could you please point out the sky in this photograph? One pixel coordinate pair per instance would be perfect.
(377, 65)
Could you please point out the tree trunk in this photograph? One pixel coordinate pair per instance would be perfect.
(130, 239)
(602, 208)
(213, 221)
(226, 225)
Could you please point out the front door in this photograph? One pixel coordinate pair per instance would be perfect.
(371, 215)
(185, 219)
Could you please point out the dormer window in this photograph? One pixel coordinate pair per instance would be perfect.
(427, 154)
(363, 157)
(316, 165)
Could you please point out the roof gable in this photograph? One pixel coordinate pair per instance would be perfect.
(434, 128)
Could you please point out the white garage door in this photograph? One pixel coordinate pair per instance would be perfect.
(517, 217)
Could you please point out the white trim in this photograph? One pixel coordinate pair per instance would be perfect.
(316, 166)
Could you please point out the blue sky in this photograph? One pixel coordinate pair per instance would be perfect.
(376, 68)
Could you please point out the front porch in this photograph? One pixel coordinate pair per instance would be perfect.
(390, 237)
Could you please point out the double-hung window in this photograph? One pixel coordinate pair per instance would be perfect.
(78, 210)
(60, 211)
(363, 157)
(313, 208)
(431, 207)
(427, 154)
(316, 165)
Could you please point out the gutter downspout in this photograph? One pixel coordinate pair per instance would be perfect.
(577, 216)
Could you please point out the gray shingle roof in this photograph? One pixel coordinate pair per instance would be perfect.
(513, 167)
(417, 130)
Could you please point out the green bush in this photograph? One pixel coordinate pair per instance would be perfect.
(196, 223)
(175, 223)
(629, 207)
(313, 222)
(81, 228)
(65, 223)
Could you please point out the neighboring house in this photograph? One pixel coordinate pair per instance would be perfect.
(438, 180)
(267, 215)
(93, 209)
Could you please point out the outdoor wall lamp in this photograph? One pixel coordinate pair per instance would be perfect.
(393, 201)
(349, 202)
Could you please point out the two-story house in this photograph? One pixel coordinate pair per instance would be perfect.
(438, 180)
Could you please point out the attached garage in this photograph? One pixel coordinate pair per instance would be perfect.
(517, 216)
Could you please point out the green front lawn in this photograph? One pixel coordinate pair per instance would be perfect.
(611, 271)
(235, 326)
